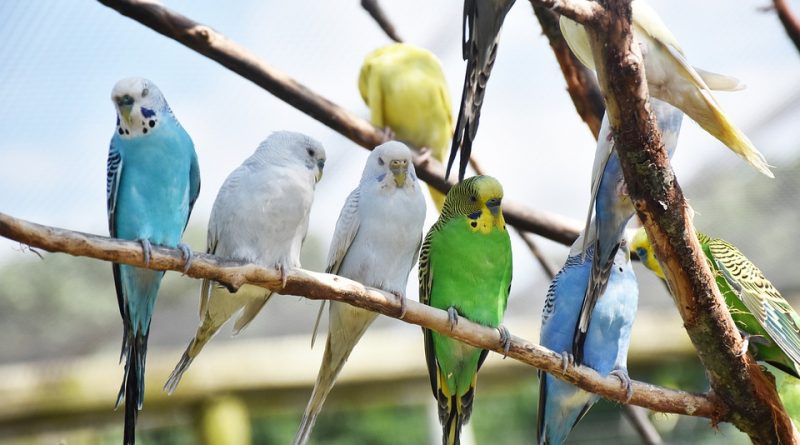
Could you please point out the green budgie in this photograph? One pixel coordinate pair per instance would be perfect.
(465, 269)
(763, 316)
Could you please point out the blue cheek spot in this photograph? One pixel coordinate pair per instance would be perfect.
(641, 253)
(474, 215)
(146, 112)
(380, 178)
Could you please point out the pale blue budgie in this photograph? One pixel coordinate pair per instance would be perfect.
(152, 183)
(480, 34)
(613, 208)
(260, 216)
(376, 242)
(562, 405)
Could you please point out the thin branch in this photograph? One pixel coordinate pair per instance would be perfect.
(581, 83)
(318, 286)
(374, 9)
(790, 22)
(238, 59)
(734, 377)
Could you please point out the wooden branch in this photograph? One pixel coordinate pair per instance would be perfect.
(376, 12)
(581, 11)
(581, 83)
(734, 377)
(790, 22)
(317, 286)
(238, 59)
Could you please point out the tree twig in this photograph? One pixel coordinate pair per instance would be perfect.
(317, 286)
(238, 59)
(581, 83)
(789, 21)
(734, 377)
(376, 12)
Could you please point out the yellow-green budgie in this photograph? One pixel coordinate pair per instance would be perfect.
(671, 79)
(764, 317)
(406, 92)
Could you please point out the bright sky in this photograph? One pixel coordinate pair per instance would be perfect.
(61, 59)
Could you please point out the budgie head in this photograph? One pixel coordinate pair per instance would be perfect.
(391, 165)
(479, 200)
(291, 148)
(140, 106)
(644, 250)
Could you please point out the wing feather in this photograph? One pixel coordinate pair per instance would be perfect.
(343, 236)
(760, 297)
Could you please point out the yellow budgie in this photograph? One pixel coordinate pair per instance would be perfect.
(406, 92)
(671, 79)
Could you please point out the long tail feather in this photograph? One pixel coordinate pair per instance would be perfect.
(132, 389)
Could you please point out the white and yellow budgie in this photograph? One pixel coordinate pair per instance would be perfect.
(406, 92)
(671, 79)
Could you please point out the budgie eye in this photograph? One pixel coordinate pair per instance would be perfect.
(380, 161)
(310, 152)
(145, 92)
(473, 198)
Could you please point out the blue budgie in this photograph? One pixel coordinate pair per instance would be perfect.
(376, 242)
(613, 209)
(562, 405)
(152, 183)
(260, 216)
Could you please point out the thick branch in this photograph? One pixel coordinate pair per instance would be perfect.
(581, 83)
(582, 11)
(238, 59)
(735, 378)
(317, 286)
(790, 23)
(376, 12)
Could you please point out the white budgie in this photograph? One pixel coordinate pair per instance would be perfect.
(260, 216)
(671, 79)
(376, 242)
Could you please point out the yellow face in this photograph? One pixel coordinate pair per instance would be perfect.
(487, 200)
(644, 250)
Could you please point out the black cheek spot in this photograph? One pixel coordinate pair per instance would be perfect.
(121, 131)
(152, 123)
(127, 132)
(474, 223)
(144, 130)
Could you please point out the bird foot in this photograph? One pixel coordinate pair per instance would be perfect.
(147, 250)
(387, 134)
(622, 375)
(424, 155)
(749, 340)
(567, 360)
(452, 317)
(401, 299)
(505, 339)
(188, 256)
(284, 276)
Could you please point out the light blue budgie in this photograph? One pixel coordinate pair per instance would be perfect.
(613, 209)
(152, 183)
(562, 405)
(376, 242)
(260, 216)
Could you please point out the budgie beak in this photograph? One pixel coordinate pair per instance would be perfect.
(493, 205)
(399, 169)
(320, 167)
(125, 106)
